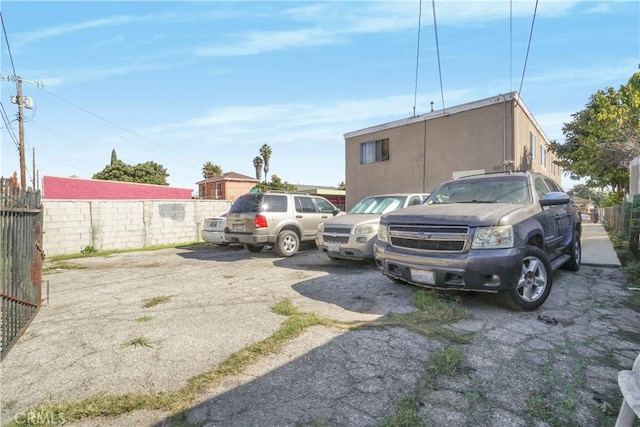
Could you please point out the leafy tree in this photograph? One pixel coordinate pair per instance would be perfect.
(603, 138)
(209, 170)
(265, 152)
(145, 173)
(257, 163)
(275, 184)
(114, 156)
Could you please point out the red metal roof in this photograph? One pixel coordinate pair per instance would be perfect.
(58, 188)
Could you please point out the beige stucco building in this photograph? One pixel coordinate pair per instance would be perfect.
(418, 153)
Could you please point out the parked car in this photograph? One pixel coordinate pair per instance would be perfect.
(351, 236)
(503, 232)
(278, 219)
(213, 230)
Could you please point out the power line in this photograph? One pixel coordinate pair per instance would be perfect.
(435, 27)
(7, 123)
(6, 39)
(528, 46)
(118, 126)
(415, 93)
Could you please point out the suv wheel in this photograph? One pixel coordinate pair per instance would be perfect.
(254, 248)
(287, 243)
(534, 284)
(576, 254)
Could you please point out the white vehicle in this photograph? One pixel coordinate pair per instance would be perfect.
(213, 230)
(351, 236)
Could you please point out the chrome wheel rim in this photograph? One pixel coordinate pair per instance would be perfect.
(533, 279)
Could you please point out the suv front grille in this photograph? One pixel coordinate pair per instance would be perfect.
(429, 237)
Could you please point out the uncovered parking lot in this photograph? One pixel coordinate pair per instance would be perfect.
(517, 369)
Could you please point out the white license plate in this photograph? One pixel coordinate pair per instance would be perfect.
(238, 227)
(332, 247)
(423, 276)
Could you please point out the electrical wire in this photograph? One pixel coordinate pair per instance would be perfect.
(415, 93)
(4, 29)
(119, 127)
(7, 123)
(528, 47)
(435, 27)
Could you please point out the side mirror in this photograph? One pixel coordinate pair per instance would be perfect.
(555, 198)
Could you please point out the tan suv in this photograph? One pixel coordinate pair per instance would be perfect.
(278, 219)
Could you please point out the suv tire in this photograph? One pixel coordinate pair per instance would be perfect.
(287, 243)
(254, 248)
(534, 284)
(576, 254)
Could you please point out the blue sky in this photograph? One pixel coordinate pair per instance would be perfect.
(182, 83)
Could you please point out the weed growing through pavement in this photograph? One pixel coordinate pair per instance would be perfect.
(144, 319)
(228, 276)
(139, 341)
(155, 301)
(433, 311)
(406, 413)
(446, 361)
(179, 401)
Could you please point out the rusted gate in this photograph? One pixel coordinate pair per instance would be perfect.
(21, 260)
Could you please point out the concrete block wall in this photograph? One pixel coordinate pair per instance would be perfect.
(71, 225)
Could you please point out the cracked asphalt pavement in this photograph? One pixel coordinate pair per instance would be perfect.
(554, 366)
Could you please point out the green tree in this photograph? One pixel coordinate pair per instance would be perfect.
(275, 184)
(145, 173)
(603, 138)
(257, 163)
(265, 152)
(114, 156)
(150, 173)
(209, 170)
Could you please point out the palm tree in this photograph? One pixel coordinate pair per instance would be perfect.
(265, 152)
(257, 163)
(209, 170)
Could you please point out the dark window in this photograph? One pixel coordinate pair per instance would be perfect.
(304, 204)
(374, 151)
(259, 203)
(274, 203)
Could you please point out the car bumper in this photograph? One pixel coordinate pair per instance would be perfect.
(489, 270)
(357, 247)
(247, 238)
(214, 237)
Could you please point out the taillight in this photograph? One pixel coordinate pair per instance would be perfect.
(261, 221)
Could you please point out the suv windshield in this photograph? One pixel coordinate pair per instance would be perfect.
(511, 189)
(377, 205)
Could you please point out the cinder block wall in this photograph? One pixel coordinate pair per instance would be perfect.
(71, 225)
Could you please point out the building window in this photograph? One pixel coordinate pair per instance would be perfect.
(374, 151)
(532, 145)
(543, 157)
(218, 190)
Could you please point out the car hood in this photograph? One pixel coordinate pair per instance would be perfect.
(472, 214)
(349, 220)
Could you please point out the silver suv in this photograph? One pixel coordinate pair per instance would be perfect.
(278, 219)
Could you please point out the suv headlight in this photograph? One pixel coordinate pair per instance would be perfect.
(366, 229)
(383, 233)
(493, 237)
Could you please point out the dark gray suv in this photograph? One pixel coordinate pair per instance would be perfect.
(503, 232)
(278, 219)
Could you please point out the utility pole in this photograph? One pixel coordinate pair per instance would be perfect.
(25, 102)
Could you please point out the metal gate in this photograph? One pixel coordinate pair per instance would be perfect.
(21, 258)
